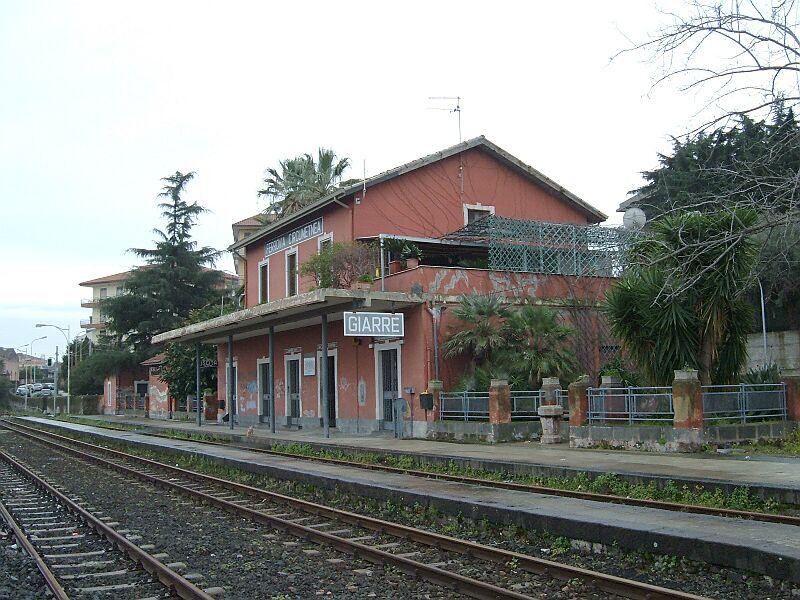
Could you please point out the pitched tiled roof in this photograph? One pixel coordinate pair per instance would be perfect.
(478, 142)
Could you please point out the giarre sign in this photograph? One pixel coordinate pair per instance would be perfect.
(374, 324)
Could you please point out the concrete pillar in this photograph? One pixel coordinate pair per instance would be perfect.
(687, 400)
(578, 392)
(791, 378)
(550, 387)
(435, 388)
(499, 402)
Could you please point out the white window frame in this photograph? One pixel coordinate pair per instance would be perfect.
(479, 206)
(378, 372)
(298, 356)
(263, 297)
(326, 237)
(286, 254)
(334, 352)
(259, 362)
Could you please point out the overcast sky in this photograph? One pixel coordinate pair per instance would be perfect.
(98, 100)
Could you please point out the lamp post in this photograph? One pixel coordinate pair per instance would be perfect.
(763, 322)
(65, 332)
(33, 364)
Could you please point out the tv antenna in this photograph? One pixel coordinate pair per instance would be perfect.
(455, 109)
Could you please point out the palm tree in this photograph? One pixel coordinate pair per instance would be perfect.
(301, 180)
(538, 346)
(681, 303)
(484, 318)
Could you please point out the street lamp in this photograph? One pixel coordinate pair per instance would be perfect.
(44, 337)
(30, 353)
(65, 332)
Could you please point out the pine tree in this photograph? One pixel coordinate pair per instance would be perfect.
(175, 278)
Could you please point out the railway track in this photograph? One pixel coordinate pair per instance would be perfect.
(78, 553)
(468, 568)
(520, 487)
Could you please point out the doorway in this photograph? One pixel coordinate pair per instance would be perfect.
(231, 398)
(293, 400)
(264, 391)
(388, 375)
(333, 397)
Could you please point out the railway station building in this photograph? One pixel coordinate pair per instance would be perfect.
(484, 222)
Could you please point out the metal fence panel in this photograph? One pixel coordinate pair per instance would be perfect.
(744, 402)
(464, 406)
(630, 404)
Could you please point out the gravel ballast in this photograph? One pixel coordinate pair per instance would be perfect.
(19, 577)
(667, 571)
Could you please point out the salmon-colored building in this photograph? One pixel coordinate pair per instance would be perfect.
(273, 348)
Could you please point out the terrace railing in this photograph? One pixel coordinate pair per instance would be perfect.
(464, 406)
(744, 402)
(630, 404)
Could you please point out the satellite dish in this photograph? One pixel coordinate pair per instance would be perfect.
(634, 218)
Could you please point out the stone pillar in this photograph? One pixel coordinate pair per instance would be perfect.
(550, 387)
(579, 401)
(687, 400)
(435, 388)
(791, 377)
(499, 402)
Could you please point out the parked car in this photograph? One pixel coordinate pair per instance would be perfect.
(37, 387)
(43, 393)
(49, 386)
(23, 391)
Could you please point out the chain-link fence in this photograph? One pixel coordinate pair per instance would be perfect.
(551, 248)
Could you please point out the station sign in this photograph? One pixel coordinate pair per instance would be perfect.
(295, 236)
(374, 324)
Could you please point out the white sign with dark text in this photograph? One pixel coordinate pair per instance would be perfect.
(296, 236)
(374, 324)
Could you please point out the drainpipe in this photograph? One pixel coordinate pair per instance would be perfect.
(436, 314)
(383, 260)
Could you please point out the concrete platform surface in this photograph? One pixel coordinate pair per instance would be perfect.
(768, 548)
(774, 473)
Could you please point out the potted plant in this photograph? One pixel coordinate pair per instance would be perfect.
(404, 254)
(364, 282)
(412, 255)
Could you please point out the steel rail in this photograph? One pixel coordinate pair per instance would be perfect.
(510, 485)
(49, 578)
(609, 583)
(181, 586)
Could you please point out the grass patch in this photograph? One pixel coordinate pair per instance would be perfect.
(789, 446)
(740, 498)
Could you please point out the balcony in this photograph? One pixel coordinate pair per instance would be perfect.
(94, 324)
(89, 302)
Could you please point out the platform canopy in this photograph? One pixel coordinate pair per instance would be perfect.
(293, 312)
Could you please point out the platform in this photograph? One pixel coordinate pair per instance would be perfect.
(768, 476)
(769, 548)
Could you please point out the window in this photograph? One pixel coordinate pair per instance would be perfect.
(263, 281)
(475, 212)
(326, 241)
(291, 272)
(103, 292)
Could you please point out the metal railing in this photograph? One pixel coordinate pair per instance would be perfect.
(474, 406)
(630, 404)
(464, 406)
(525, 404)
(744, 402)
